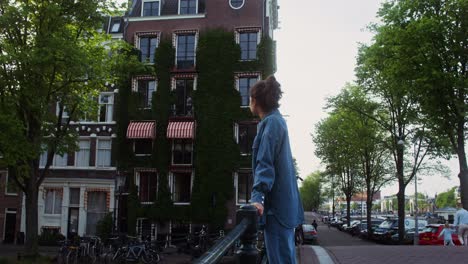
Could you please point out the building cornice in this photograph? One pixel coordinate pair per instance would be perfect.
(159, 18)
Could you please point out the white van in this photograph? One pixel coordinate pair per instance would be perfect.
(410, 223)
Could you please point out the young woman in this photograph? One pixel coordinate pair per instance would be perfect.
(275, 193)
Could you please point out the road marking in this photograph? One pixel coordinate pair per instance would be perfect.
(322, 255)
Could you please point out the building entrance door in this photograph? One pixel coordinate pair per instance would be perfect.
(10, 225)
(73, 217)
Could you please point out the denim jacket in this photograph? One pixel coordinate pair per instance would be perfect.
(275, 183)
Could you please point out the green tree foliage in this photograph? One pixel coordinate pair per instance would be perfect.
(387, 69)
(50, 52)
(104, 227)
(310, 191)
(446, 199)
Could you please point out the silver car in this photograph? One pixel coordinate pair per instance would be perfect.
(309, 233)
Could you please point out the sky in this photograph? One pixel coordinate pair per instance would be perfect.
(316, 53)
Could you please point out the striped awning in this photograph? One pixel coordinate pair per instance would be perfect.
(143, 129)
(184, 129)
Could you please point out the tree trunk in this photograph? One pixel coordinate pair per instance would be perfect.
(369, 197)
(463, 175)
(401, 213)
(348, 210)
(31, 198)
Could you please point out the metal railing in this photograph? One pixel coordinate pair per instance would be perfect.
(246, 231)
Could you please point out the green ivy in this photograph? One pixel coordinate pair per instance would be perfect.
(217, 108)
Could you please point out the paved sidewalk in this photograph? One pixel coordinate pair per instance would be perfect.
(398, 254)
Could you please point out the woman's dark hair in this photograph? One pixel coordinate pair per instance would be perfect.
(267, 93)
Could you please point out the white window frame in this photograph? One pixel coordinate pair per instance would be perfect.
(139, 35)
(236, 136)
(237, 8)
(175, 41)
(171, 187)
(89, 149)
(244, 30)
(137, 184)
(172, 154)
(5, 172)
(54, 200)
(111, 99)
(97, 152)
(135, 86)
(239, 76)
(143, 7)
(196, 8)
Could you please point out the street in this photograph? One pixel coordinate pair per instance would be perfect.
(335, 246)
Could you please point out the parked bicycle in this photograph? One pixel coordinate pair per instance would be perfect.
(134, 251)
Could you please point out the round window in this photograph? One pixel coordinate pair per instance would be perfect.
(236, 4)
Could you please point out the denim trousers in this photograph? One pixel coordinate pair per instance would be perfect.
(279, 242)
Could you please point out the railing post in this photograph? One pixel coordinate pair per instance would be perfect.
(248, 253)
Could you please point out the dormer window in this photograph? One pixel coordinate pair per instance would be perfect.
(187, 7)
(151, 8)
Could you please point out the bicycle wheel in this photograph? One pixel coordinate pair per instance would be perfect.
(72, 257)
(150, 257)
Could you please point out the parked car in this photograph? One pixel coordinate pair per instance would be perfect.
(352, 225)
(409, 236)
(309, 233)
(430, 236)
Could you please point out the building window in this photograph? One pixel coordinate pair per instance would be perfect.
(248, 42)
(10, 187)
(106, 104)
(146, 88)
(60, 160)
(148, 186)
(103, 153)
(65, 115)
(143, 147)
(148, 46)
(244, 85)
(182, 152)
(96, 210)
(245, 135)
(236, 4)
(184, 89)
(151, 8)
(53, 201)
(181, 187)
(244, 187)
(115, 27)
(185, 53)
(82, 155)
(188, 7)
(74, 197)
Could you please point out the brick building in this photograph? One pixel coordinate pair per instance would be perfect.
(146, 23)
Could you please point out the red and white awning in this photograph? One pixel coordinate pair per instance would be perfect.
(143, 129)
(181, 130)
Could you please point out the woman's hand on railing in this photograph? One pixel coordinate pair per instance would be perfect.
(259, 207)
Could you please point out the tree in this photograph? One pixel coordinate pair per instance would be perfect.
(310, 191)
(368, 140)
(433, 36)
(53, 55)
(386, 71)
(334, 146)
(446, 199)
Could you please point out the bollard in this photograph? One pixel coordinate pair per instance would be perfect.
(248, 253)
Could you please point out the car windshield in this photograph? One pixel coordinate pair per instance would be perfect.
(307, 228)
(386, 224)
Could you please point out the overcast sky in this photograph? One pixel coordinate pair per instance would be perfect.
(316, 55)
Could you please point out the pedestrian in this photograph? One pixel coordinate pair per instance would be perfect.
(314, 223)
(275, 193)
(461, 222)
(447, 233)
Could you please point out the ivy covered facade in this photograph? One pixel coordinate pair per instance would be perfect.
(184, 129)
